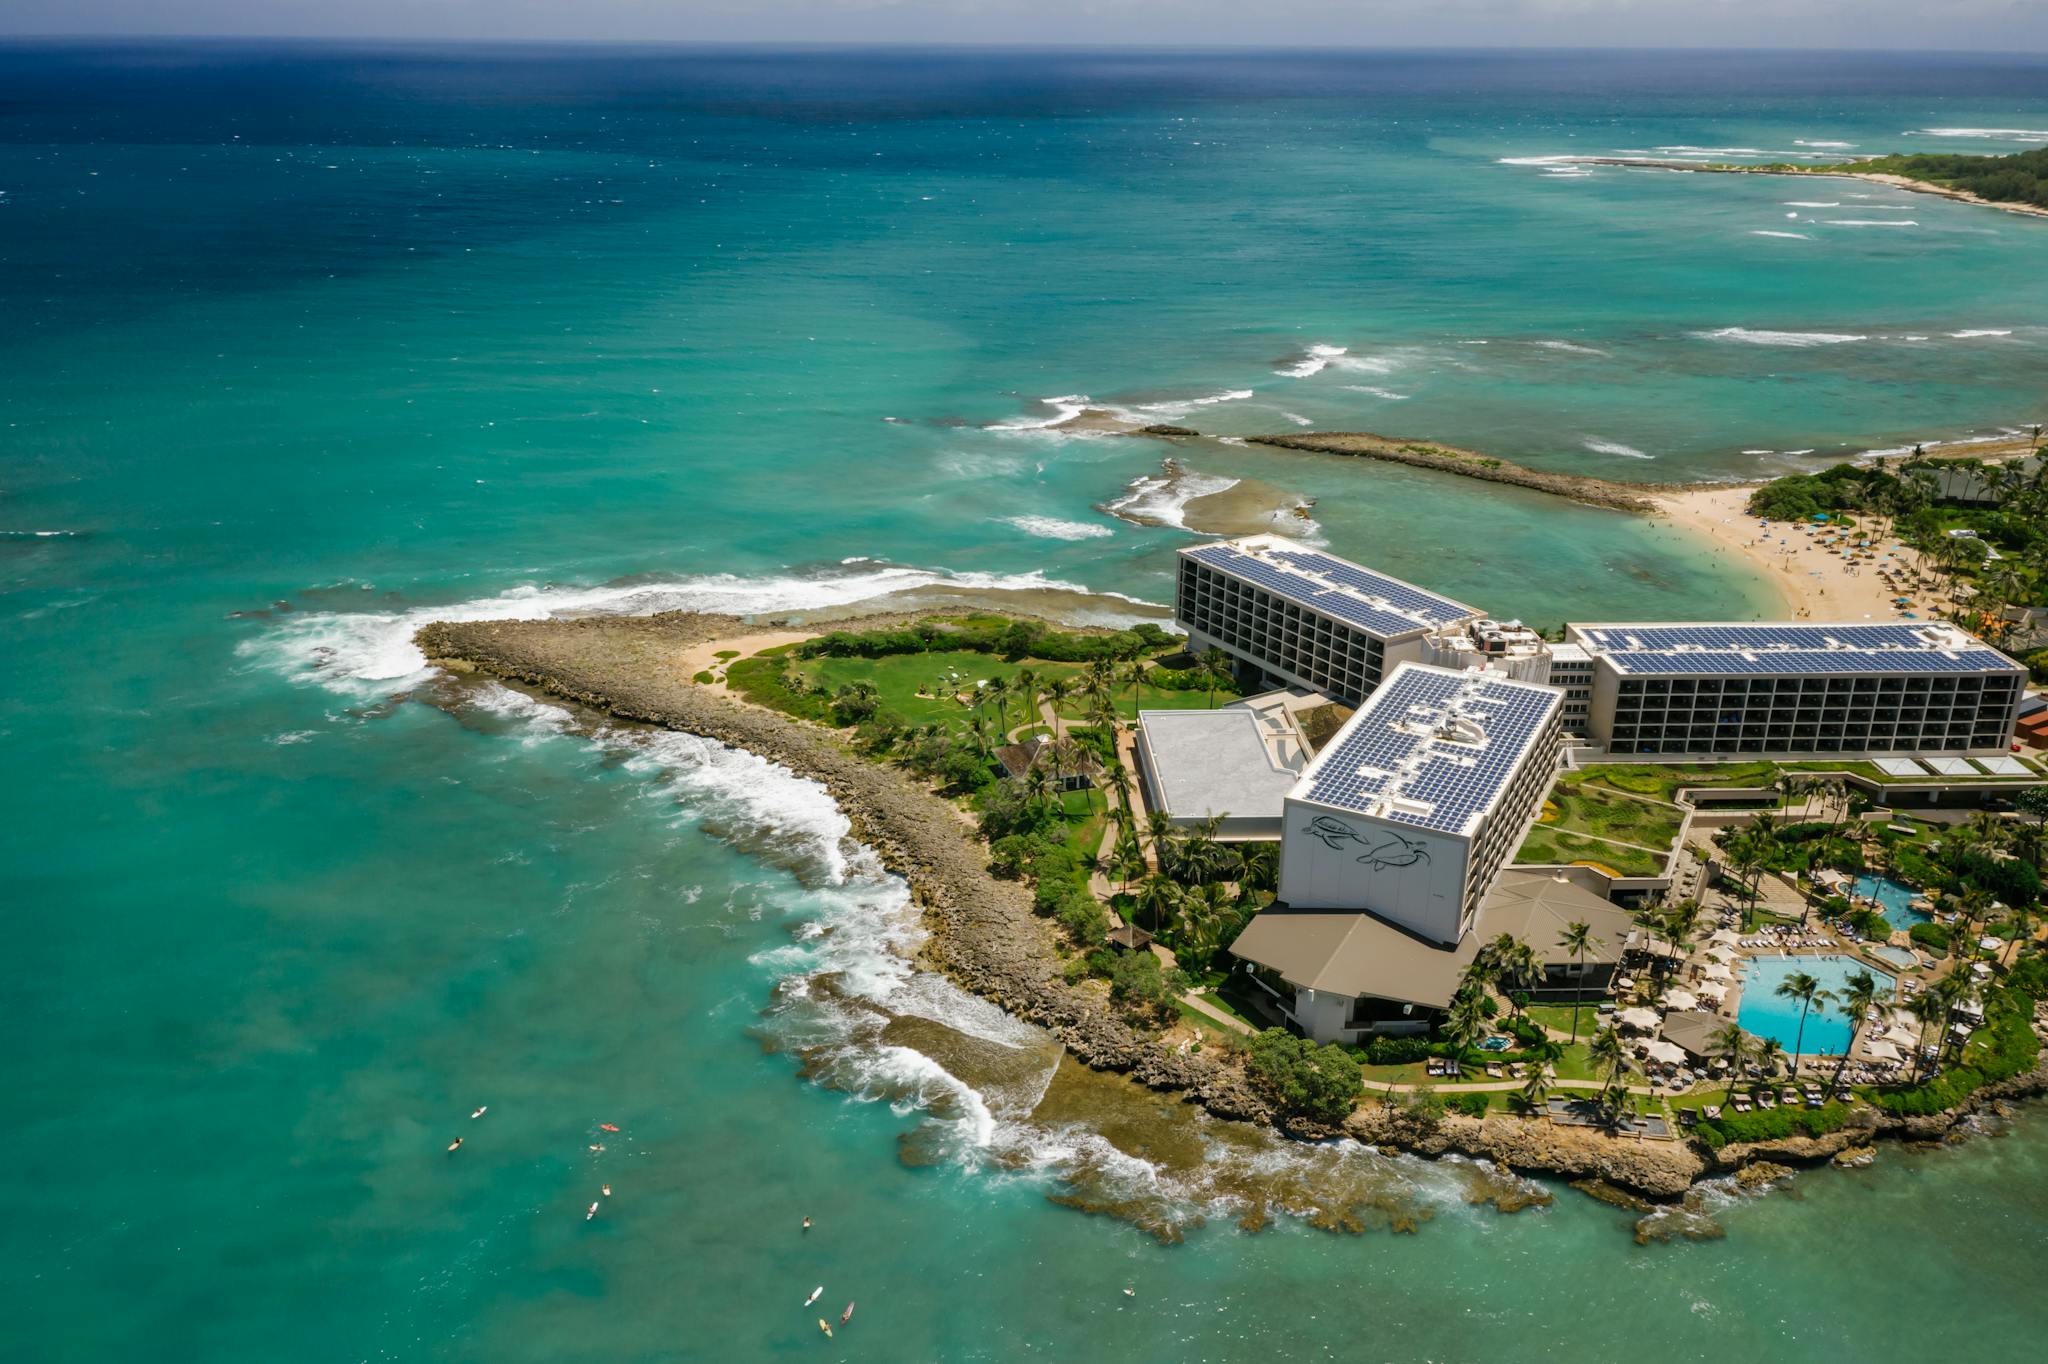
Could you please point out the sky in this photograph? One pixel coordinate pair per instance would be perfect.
(1983, 25)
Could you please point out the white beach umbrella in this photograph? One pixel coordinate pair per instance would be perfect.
(1638, 1018)
(1681, 1001)
(1881, 1051)
(1668, 1052)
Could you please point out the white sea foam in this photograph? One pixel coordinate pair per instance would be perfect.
(1870, 222)
(1987, 134)
(1980, 331)
(366, 652)
(1369, 364)
(1065, 408)
(1750, 336)
(1759, 452)
(1793, 236)
(1813, 203)
(1052, 528)
(1162, 500)
(1613, 447)
(1805, 142)
(1314, 361)
(1298, 419)
(1386, 393)
(1181, 407)
(1538, 160)
(1569, 347)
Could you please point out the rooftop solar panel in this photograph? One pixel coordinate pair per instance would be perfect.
(1342, 590)
(1393, 749)
(1733, 648)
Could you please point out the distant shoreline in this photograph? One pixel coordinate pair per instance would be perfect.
(1869, 177)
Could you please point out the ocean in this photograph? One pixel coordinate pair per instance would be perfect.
(306, 345)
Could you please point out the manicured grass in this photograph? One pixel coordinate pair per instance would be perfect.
(1547, 845)
(1558, 1017)
(1577, 805)
(1662, 780)
(948, 674)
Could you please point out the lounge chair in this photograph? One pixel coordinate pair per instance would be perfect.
(1711, 1112)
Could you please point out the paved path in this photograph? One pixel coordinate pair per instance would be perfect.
(1208, 1010)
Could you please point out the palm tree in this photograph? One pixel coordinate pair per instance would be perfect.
(1216, 664)
(1928, 1009)
(1731, 1043)
(1057, 691)
(1805, 988)
(1202, 914)
(1159, 897)
(1859, 997)
(997, 689)
(1606, 1052)
(1126, 861)
(1578, 939)
(1769, 1053)
(1536, 1090)
(1465, 1024)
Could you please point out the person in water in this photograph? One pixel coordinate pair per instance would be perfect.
(807, 1224)
(453, 1144)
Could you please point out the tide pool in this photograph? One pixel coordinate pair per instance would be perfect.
(307, 346)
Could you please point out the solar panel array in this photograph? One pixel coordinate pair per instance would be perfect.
(1734, 649)
(1344, 591)
(1392, 749)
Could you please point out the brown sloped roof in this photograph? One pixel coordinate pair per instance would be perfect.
(1536, 907)
(1353, 954)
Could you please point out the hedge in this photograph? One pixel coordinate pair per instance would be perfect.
(1772, 1124)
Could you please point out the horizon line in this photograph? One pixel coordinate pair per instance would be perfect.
(1130, 47)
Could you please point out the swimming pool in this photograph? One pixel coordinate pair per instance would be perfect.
(1895, 900)
(1897, 956)
(1764, 1014)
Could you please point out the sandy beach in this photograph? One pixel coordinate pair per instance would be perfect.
(1813, 577)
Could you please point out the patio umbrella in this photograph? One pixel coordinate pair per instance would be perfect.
(1681, 1001)
(1668, 1052)
(1713, 994)
(1645, 1019)
(1882, 1051)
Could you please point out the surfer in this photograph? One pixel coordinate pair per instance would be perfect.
(816, 1293)
(607, 1191)
(592, 1213)
(847, 1315)
(454, 1144)
(807, 1224)
(480, 1112)
(826, 1327)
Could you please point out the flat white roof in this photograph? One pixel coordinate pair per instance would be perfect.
(1433, 747)
(1215, 762)
(1352, 593)
(1741, 647)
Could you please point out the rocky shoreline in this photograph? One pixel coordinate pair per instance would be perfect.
(985, 937)
(1448, 459)
(1870, 177)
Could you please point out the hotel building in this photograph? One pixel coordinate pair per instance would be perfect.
(1796, 690)
(1394, 836)
(1303, 618)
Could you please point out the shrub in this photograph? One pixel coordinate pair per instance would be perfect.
(1774, 1124)
(703, 677)
(1136, 979)
(2029, 975)
(1320, 1081)
(1083, 917)
(1395, 1051)
(1471, 1104)
(1933, 937)
(1871, 924)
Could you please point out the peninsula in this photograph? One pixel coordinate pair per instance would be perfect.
(1070, 866)
(2017, 183)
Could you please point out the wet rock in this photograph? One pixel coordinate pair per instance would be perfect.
(1855, 1158)
(1760, 1174)
(1167, 429)
(1602, 1191)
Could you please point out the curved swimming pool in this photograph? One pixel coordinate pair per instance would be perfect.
(1764, 1014)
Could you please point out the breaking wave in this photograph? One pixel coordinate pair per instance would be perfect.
(1311, 362)
(1750, 336)
(1162, 499)
(1795, 236)
(1052, 528)
(1614, 447)
(1987, 134)
(368, 652)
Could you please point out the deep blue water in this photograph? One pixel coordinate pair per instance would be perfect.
(385, 333)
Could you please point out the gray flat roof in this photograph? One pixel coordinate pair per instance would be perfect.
(1338, 588)
(1214, 762)
(1737, 647)
(1433, 747)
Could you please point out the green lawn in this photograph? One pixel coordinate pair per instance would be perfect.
(1547, 846)
(1662, 780)
(1558, 1017)
(947, 674)
(1577, 805)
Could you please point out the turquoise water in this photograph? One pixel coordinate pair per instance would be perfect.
(1895, 900)
(395, 333)
(1764, 1014)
